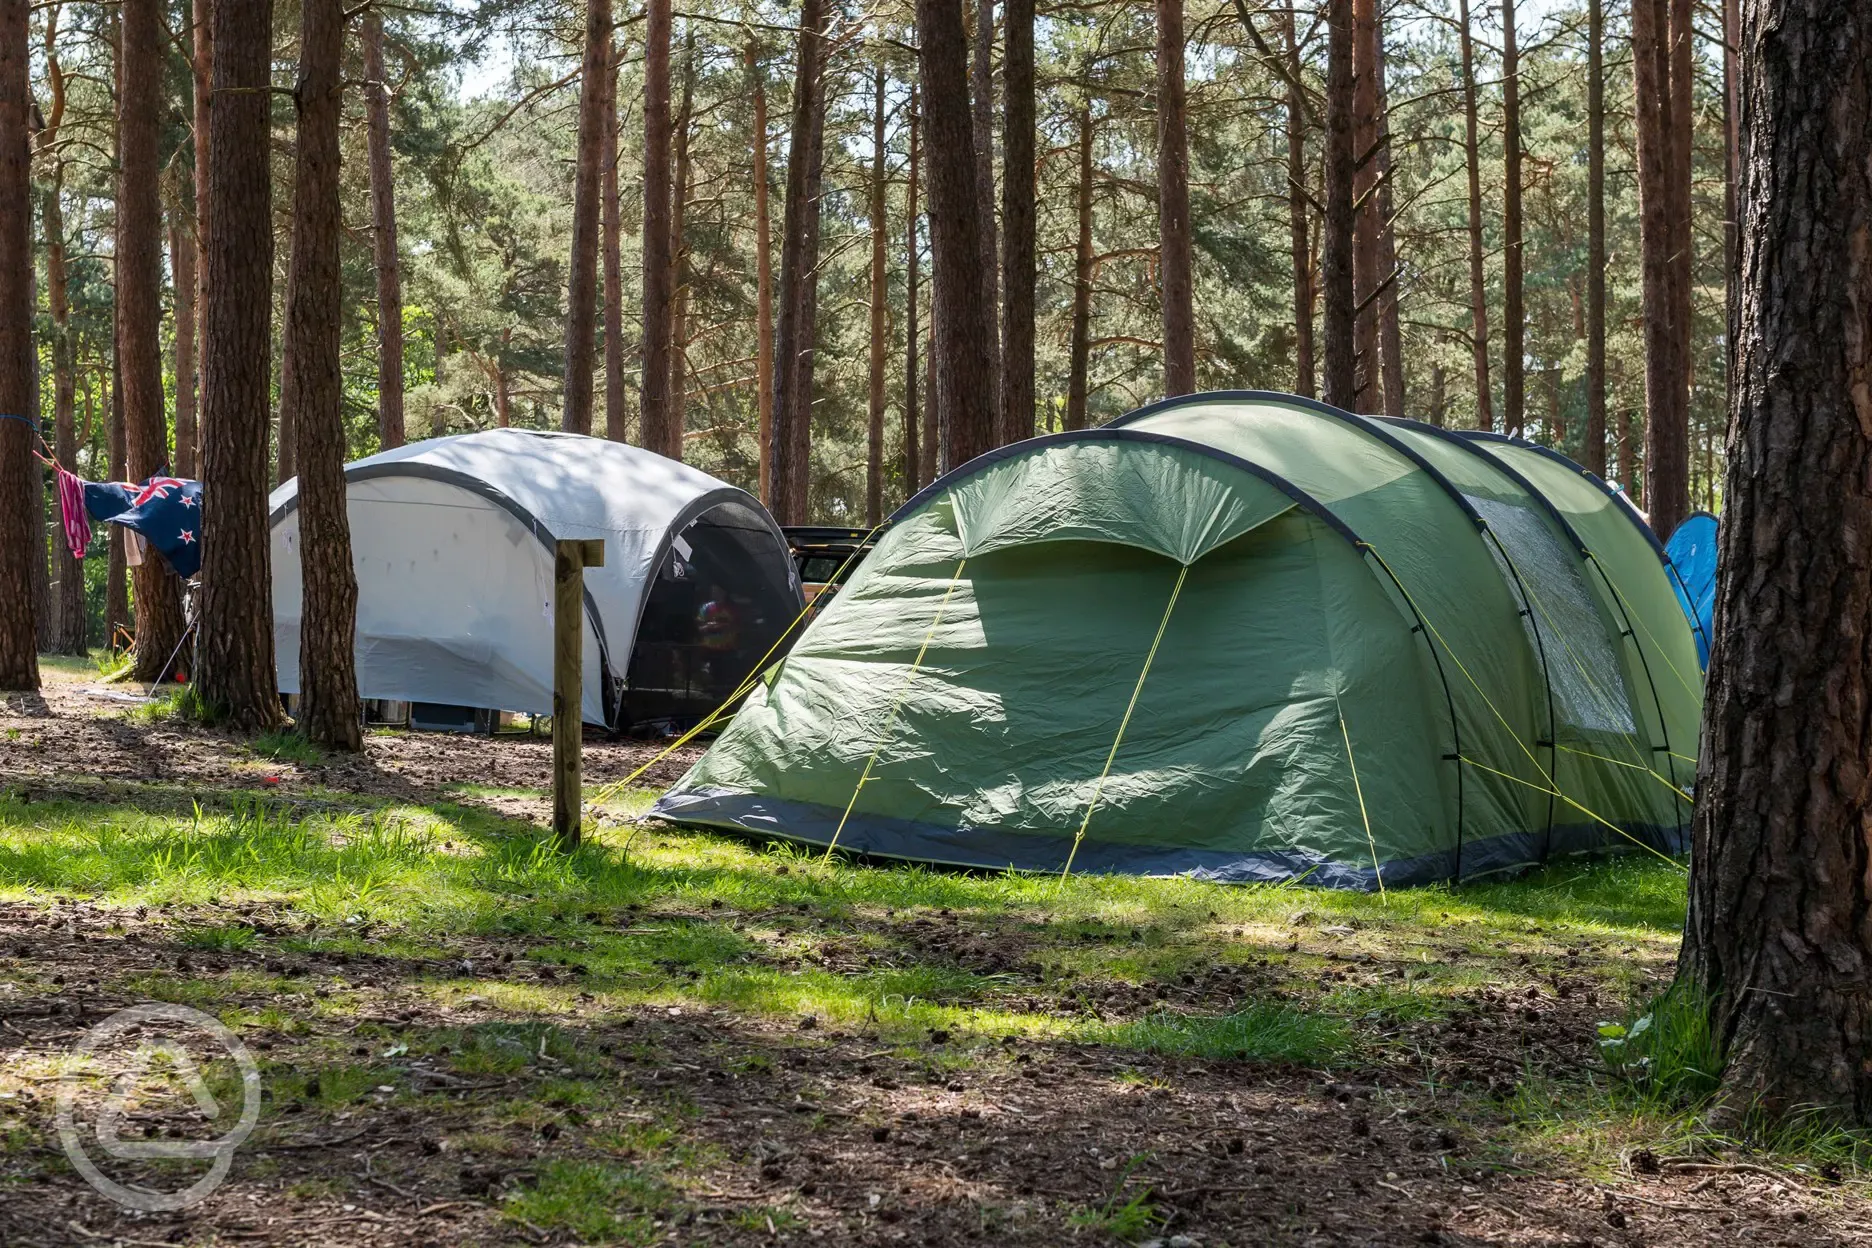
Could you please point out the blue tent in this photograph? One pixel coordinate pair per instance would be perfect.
(1692, 551)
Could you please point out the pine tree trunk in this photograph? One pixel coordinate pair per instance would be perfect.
(384, 237)
(117, 621)
(1018, 262)
(1173, 213)
(964, 393)
(981, 92)
(914, 477)
(582, 277)
(1514, 306)
(1080, 351)
(139, 313)
(1478, 287)
(203, 72)
(1657, 236)
(329, 710)
(1439, 396)
(616, 426)
(1341, 381)
(1667, 441)
(235, 674)
(790, 457)
(1732, 170)
(1366, 222)
(1593, 453)
(679, 252)
(1777, 942)
(287, 437)
(763, 277)
(1390, 333)
(1301, 233)
(874, 429)
(182, 265)
(19, 659)
(656, 424)
(72, 614)
(48, 525)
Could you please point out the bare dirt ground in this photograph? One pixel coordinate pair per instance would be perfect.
(747, 1128)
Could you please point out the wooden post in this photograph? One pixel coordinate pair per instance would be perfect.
(571, 559)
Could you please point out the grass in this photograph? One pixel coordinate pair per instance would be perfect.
(663, 918)
(1262, 1032)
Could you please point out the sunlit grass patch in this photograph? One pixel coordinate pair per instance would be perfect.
(596, 1201)
(1262, 1032)
(285, 745)
(220, 937)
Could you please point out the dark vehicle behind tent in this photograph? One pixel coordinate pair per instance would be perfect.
(826, 555)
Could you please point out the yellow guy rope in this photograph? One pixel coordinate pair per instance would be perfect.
(1360, 790)
(891, 720)
(1552, 788)
(1606, 700)
(753, 678)
(1098, 789)
(1575, 805)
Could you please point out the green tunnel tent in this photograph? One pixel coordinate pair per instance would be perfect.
(1370, 653)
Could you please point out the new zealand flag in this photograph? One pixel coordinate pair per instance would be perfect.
(165, 510)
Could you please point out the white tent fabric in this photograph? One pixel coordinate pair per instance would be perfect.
(452, 540)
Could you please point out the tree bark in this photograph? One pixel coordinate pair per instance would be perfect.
(1341, 381)
(981, 89)
(1390, 333)
(288, 437)
(914, 476)
(139, 312)
(874, 428)
(1301, 234)
(1514, 304)
(329, 710)
(1366, 222)
(1667, 457)
(117, 570)
(616, 422)
(763, 276)
(202, 75)
(1173, 213)
(964, 314)
(1018, 262)
(656, 423)
(1666, 432)
(182, 264)
(582, 277)
(1777, 944)
(796, 338)
(1593, 451)
(1478, 288)
(19, 659)
(679, 252)
(234, 667)
(73, 616)
(384, 236)
(1080, 351)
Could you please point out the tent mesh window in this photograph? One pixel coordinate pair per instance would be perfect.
(1562, 621)
(715, 606)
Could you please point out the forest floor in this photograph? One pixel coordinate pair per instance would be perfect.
(466, 1037)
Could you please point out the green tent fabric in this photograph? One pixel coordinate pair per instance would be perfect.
(1243, 636)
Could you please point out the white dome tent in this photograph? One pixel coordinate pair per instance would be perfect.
(452, 540)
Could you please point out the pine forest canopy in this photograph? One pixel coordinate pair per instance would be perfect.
(483, 126)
